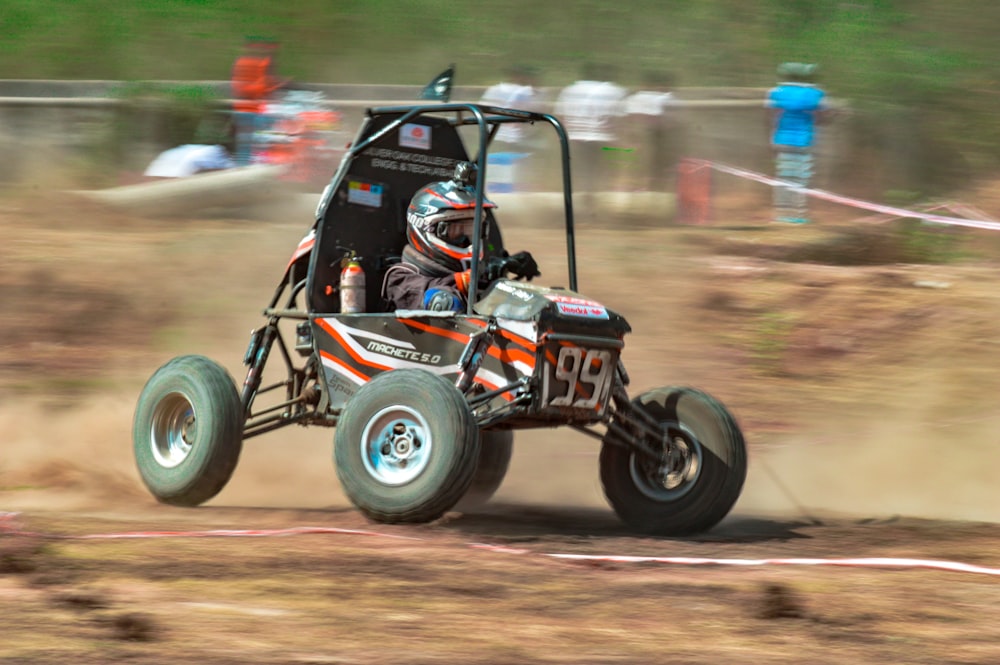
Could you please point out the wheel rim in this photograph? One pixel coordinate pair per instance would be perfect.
(396, 445)
(675, 472)
(173, 430)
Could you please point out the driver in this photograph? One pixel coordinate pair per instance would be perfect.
(435, 269)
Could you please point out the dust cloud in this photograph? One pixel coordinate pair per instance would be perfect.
(56, 457)
(903, 464)
(906, 462)
(80, 458)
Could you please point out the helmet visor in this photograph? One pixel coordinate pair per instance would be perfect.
(458, 232)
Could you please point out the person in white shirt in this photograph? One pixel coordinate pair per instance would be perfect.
(513, 144)
(652, 128)
(591, 110)
(518, 92)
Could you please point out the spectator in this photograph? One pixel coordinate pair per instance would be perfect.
(517, 92)
(796, 104)
(591, 110)
(652, 128)
(513, 143)
(253, 84)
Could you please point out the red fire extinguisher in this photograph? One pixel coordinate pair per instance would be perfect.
(352, 285)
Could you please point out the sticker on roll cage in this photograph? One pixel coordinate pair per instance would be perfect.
(416, 136)
(364, 193)
(578, 378)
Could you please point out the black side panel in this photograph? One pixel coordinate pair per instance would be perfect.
(353, 348)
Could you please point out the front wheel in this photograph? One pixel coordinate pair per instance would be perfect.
(698, 476)
(406, 447)
(188, 431)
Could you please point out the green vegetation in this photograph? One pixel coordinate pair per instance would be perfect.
(921, 242)
(907, 49)
(922, 72)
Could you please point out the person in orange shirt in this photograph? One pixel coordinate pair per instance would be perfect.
(253, 83)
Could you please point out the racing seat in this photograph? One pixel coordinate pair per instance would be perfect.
(366, 214)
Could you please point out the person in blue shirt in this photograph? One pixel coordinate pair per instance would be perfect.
(797, 105)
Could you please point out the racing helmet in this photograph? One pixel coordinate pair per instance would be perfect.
(440, 220)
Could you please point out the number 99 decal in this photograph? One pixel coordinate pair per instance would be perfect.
(579, 378)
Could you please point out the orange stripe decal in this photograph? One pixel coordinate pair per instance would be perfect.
(509, 336)
(511, 355)
(344, 345)
(340, 363)
(530, 346)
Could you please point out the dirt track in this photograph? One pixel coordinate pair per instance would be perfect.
(865, 393)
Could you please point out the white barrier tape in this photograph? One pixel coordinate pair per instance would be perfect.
(874, 562)
(967, 211)
(846, 200)
(870, 562)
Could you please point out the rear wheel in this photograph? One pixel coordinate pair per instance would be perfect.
(495, 450)
(406, 447)
(699, 474)
(188, 431)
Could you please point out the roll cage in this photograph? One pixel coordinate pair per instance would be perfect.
(384, 130)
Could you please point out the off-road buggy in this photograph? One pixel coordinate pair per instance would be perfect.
(425, 403)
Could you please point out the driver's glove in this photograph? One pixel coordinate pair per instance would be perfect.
(494, 268)
(522, 265)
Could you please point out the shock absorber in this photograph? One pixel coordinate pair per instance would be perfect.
(256, 357)
(472, 356)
